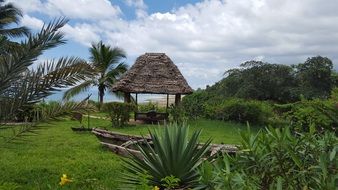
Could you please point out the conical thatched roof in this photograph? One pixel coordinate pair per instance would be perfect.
(153, 73)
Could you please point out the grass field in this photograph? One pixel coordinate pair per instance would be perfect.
(39, 161)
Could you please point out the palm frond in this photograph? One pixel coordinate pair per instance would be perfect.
(58, 109)
(77, 89)
(46, 112)
(103, 56)
(37, 84)
(15, 32)
(13, 65)
(60, 74)
(9, 14)
(115, 73)
(19, 132)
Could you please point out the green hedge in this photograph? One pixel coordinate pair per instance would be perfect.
(240, 110)
(119, 112)
(194, 105)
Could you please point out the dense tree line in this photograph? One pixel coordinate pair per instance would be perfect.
(315, 78)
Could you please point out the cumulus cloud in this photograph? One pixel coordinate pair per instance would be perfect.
(82, 33)
(206, 38)
(77, 9)
(140, 7)
(31, 22)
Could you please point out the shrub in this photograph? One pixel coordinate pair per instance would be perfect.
(172, 161)
(276, 159)
(193, 105)
(119, 112)
(177, 114)
(240, 110)
(321, 114)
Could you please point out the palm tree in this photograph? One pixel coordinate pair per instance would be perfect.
(9, 17)
(21, 87)
(10, 14)
(106, 61)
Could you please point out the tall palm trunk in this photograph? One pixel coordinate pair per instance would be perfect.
(101, 94)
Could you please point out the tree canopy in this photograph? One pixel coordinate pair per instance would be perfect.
(259, 80)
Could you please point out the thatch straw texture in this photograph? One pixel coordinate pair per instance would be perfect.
(153, 73)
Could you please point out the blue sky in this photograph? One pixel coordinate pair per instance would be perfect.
(203, 38)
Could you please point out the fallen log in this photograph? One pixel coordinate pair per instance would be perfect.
(123, 144)
(122, 151)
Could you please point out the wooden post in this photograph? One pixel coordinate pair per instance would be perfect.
(136, 107)
(177, 99)
(167, 102)
(127, 97)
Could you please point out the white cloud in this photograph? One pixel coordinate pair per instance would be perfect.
(28, 5)
(208, 37)
(140, 7)
(82, 33)
(31, 22)
(83, 9)
(74, 9)
(136, 3)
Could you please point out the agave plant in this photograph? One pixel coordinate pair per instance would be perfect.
(173, 155)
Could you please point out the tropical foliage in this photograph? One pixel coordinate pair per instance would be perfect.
(240, 110)
(172, 159)
(119, 112)
(43, 112)
(315, 78)
(21, 84)
(10, 14)
(277, 159)
(21, 87)
(106, 66)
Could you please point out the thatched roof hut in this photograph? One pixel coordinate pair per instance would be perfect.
(153, 73)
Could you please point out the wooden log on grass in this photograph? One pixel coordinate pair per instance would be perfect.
(122, 151)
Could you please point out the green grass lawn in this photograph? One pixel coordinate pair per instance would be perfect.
(219, 131)
(39, 161)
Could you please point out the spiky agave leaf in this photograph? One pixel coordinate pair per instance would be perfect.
(172, 153)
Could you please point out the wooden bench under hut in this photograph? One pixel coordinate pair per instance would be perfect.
(153, 73)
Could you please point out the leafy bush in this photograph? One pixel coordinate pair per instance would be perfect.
(193, 105)
(321, 114)
(240, 110)
(171, 161)
(119, 112)
(276, 159)
(177, 114)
